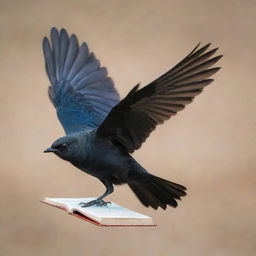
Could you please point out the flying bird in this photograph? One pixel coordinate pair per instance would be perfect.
(103, 131)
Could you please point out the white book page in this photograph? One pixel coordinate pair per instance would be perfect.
(102, 214)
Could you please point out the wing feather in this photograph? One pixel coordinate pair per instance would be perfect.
(80, 90)
(79, 61)
(71, 55)
(137, 115)
(64, 43)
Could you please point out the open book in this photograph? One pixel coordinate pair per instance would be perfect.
(110, 215)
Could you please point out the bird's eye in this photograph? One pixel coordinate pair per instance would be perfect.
(62, 146)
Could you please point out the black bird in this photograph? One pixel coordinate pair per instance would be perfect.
(102, 130)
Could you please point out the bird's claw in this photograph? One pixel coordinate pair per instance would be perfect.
(95, 202)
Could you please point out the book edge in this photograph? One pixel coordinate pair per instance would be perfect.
(81, 216)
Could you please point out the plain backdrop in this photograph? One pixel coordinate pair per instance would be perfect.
(209, 147)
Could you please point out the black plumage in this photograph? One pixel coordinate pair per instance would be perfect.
(102, 131)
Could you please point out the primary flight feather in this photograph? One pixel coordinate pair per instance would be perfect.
(102, 131)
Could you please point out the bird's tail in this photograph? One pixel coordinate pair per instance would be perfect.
(154, 191)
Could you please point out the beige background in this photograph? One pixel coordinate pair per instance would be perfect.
(209, 147)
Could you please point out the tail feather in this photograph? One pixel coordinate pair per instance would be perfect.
(157, 192)
(146, 198)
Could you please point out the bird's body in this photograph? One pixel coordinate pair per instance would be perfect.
(102, 131)
(101, 159)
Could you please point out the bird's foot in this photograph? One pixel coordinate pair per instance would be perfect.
(95, 202)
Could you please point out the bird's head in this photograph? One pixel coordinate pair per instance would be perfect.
(66, 147)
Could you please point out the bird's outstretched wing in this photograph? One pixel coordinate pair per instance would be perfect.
(80, 90)
(132, 120)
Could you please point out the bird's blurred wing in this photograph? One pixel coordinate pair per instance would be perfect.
(80, 90)
(136, 116)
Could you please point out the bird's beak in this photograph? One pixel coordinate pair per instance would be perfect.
(48, 150)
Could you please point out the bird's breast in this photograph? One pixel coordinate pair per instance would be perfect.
(106, 161)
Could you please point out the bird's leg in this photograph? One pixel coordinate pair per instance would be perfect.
(99, 201)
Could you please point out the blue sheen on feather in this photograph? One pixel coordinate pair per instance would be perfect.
(73, 120)
(80, 90)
